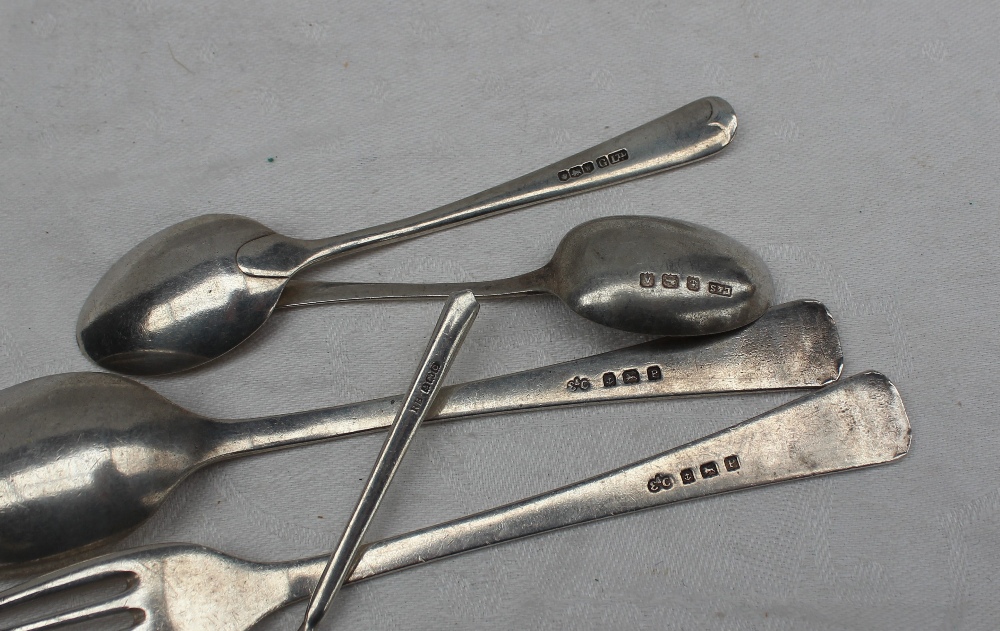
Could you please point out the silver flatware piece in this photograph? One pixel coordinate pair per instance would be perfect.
(449, 333)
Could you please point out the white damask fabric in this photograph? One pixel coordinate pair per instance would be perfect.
(864, 171)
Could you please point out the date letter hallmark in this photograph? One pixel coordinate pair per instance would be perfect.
(588, 167)
(720, 290)
(425, 386)
(689, 475)
(580, 384)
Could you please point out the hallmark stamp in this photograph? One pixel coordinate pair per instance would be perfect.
(687, 476)
(719, 289)
(425, 386)
(709, 470)
(647, 279)
(578, 383)
(693, 283)
(660, 482)
(732, 462)
(630, 376)
(609, 379)
(671, 281)
(654, 373)
(588, 167)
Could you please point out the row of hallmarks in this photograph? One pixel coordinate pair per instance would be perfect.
(610, 379)
(647, 280)
(425, 386)
(710, 469)
(588, 167)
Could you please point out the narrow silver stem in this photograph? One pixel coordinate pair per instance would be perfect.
(300, 293)
(453, 325)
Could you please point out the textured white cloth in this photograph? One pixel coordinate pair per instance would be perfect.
(864, 171)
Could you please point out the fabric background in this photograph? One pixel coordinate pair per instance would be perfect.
(864, 171)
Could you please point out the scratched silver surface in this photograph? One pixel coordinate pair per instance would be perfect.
(864, 173)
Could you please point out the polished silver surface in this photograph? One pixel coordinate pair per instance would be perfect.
(197, 289)
(858, 422)
(640, 274)
(456, 318)
(87, 457)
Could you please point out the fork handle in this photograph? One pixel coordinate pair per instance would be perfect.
(856, 422)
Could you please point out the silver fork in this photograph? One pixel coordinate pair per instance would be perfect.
(857, 422)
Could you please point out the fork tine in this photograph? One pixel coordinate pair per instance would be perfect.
(109, 607)
(66, 578)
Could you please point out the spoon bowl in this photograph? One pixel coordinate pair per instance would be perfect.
(178, 299)
(84, 454)
(659, 276)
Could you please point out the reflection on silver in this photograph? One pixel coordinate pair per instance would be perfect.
(858, 422)
(151, 444)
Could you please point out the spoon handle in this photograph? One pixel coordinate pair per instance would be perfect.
(858, 422)
(690, 133)
(794, 345)
(300, 293)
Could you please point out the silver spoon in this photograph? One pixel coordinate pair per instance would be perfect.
(859, 422)
(87, 457)
(197, 289)
(449, 333)
(639, 274)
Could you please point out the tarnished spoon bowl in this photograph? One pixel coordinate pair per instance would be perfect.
(178, 299)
